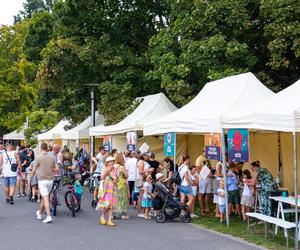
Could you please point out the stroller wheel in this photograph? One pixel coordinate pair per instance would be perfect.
(161, 217)
(186, 218)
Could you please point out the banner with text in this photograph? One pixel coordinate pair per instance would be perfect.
(212, 146)
(131, 138)
(238, 145)
(107, 143)
(170, 144)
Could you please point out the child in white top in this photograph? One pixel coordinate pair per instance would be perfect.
(222, 202)
(247, 200)
(147, 197)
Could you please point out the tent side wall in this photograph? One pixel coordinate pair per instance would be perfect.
(287, 149)
(195, 144)
(264, 147)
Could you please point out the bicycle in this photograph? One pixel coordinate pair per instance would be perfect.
(71, 199)
(54, 201)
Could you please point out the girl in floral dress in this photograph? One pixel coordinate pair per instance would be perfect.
(108, 193)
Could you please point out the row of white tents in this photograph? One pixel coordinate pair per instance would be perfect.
(240, 101)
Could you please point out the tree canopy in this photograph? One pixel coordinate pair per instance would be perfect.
(136, 48)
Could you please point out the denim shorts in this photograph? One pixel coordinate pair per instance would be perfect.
(185, 190)
(222, 209)
(10, 181)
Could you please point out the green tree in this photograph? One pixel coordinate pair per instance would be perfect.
(281, 20)
(17, 78)
(101, 43)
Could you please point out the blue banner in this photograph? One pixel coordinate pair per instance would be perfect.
(107, 143)
(170, 144)
(131, 138)
(238, 145)
(212, 146)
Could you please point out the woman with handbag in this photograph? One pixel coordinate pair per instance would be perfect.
(108, 191)
(11, 166)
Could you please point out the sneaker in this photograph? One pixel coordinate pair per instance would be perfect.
(23, 194)
(7, 200)
(18, 195)
(38, 215)
(141, 216)
(38, 201)
(11, 201)
(47, 220)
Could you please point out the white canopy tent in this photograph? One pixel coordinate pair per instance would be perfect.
(278, 113)
(82, 129)
(55, 132)
(16, 135)
(281, 112)
(151, 107)
(205, 112)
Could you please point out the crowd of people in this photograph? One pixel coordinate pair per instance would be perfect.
(119, 180)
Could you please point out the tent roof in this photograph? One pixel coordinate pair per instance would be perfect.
(204, 113)
(152, 107)
(15, 135)
(55, 132)
(280, 112)
(82, 129)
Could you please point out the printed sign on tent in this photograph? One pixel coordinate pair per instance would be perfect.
(212, 146)
(238, 145)
(107, 143)
(169, 144)
(131, 141)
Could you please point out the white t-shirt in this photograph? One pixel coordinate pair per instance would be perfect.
(6, 164)
(182, 170)
(146, 166)
(100, 164)
(247, 190)
(221, 199)
(131, 168)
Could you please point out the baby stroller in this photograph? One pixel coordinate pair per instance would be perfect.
(170, 208)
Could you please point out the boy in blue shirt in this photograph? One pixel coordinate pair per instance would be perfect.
(233, 190)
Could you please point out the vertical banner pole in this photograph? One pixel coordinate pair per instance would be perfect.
(224, 166)
(296, 188)
(175, 151)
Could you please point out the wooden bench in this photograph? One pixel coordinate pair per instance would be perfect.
(286, 225)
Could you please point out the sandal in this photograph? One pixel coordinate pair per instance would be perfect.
(110, 223)
(103, 221)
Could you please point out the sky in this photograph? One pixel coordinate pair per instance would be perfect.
(9, 8)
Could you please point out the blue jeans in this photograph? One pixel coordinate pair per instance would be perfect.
(10, 181)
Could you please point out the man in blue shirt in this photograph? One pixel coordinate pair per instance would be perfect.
(233, 190)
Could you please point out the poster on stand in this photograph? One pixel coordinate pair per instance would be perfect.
(170, 144)
(107, 143)
(212, 146)
(131, 138)
(238, 145)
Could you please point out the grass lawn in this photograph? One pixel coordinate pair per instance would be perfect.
(238, 228)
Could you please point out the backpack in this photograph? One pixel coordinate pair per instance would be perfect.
(176, 177)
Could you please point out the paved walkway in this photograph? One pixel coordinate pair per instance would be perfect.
(19, 229)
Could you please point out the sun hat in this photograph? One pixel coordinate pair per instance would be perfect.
(158, 175)
(110, 158)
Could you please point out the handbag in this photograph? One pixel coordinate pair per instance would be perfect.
(13, 166)
(139, 181)
(101, 190)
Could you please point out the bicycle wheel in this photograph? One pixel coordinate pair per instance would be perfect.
(54, 201)
(72, 202)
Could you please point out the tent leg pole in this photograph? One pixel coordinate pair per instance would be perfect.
(296, 188)
(224, 166)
